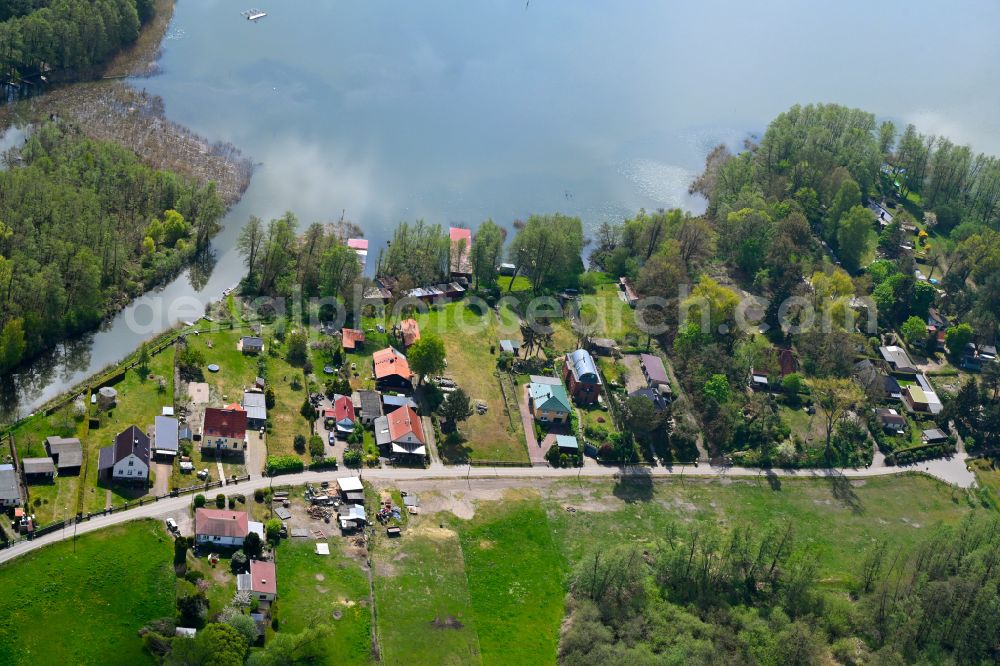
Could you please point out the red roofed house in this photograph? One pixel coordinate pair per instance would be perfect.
(391, 370)
(360, 247)
(401, 434)
(218, 527)
(261, 582)
(342, 414)
(409, 329)
(224, 430)
(461, 249)
(352, 339)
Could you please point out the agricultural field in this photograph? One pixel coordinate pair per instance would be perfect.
(67, 604)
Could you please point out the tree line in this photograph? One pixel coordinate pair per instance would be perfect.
(84, 228)
(700, 595)
(38, 35)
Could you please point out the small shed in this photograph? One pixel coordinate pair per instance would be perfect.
(510, 346)
(38, 469)
(934, 436)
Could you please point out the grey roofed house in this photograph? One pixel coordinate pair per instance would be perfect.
(934, 436)
(898, 359)
(653, 369)
(66, 452)
(542, 379)
(254, 403)
(38, 466)
(655, 395)
(581, 364)
(889, 419)
(370, 403)
(252, 344)
(165, 435)
(10, 493)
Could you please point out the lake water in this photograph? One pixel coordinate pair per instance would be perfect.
(455, 111)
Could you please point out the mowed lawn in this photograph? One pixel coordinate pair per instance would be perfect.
(332, 590)
(425, 614)
(140, 400)
(468, 336)
(84, 606)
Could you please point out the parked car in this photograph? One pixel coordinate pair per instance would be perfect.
(172, 526)
(333, 439)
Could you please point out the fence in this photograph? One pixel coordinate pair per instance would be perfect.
(83, 517)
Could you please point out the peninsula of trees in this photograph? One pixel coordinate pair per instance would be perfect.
(84, 228)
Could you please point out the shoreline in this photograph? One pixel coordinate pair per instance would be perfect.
(111, 109)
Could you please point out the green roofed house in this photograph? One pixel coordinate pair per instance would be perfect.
(548, 400)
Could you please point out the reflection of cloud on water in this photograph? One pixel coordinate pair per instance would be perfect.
(665, 184)
(316, 184)
(933, 122)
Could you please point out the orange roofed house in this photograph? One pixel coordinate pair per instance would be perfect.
(224, 430)
(461, 250)
(400, 435)
(409, 330)
(391, 369)
(352, 339)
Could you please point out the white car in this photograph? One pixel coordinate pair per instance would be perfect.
(172, 526)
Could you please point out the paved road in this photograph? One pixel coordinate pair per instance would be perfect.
(951, 470)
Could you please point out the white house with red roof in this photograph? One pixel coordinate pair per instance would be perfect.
(224, 430)
(219, 527)
(401, 434)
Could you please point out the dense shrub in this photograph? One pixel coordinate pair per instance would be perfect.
(352, 458)
(283, 465)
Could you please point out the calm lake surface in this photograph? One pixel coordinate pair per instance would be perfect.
(455, 111)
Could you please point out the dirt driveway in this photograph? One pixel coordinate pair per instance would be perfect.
(161, 480)
(256, 454)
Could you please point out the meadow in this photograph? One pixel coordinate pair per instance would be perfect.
(82, 602)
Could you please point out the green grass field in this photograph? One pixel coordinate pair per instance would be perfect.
(468, 336)
(139, 401)
(84, 606)
(425, 614)
(503, 573)
(515, 579)
(488, 587)
(311, 589)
